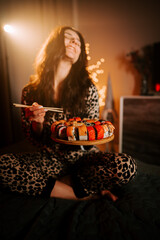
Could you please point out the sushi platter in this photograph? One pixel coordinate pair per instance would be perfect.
(83, 142)
(82, 132)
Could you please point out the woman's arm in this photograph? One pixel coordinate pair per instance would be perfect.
(32, 118)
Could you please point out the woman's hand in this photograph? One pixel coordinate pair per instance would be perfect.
(36, 114)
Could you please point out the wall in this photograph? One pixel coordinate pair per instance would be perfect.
(113, 29)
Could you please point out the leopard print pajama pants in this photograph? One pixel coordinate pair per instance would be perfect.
(92, 171)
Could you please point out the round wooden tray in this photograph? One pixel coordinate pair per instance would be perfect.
(84, 143)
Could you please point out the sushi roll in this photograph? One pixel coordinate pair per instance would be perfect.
(62, 132)
(71, 133)
(53, 127)
(106, 130)
(82, 132)
(111, 128)
(99, 131)
(91, 133)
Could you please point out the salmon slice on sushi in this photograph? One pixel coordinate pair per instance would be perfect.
(82, 133)
(91, 133)
(99, 131)
(71, 133)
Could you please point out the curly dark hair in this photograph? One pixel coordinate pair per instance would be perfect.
(74, 87)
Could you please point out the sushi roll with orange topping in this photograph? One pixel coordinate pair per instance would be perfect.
(71, 133)
(82, 132)
(91, 133)
(99, 131)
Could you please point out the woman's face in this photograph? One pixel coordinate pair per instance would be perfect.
(72, 44)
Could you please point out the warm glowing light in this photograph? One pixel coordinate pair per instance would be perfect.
(94, 71)
(100, 71)
(102, 59)
(87, 48)
(102, 96)
(157, 87)
(9, 28)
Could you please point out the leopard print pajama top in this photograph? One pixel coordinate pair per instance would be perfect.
(91, 170)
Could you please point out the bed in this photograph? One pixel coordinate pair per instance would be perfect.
(135, 215)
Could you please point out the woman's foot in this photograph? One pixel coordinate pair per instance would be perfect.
(62, 190)
(65, 191)
(109, 194)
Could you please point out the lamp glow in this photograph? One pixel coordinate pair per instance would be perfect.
(9, 29)
(94, 71)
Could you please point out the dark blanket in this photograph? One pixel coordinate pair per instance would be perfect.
(136, 215)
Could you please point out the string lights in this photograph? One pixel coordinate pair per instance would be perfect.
(95, 70)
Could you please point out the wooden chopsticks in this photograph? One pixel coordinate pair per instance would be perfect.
(52, 109)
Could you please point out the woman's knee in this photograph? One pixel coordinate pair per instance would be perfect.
(126, 167)
(127, 162)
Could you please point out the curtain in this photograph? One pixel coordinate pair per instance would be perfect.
(6, 136)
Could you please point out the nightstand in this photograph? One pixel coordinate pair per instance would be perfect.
(139, 134)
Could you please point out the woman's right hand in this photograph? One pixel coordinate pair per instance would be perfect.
(35, 113)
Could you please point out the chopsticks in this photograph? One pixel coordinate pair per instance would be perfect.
(52, 109)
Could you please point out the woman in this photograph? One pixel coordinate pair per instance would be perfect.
(62, 80)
